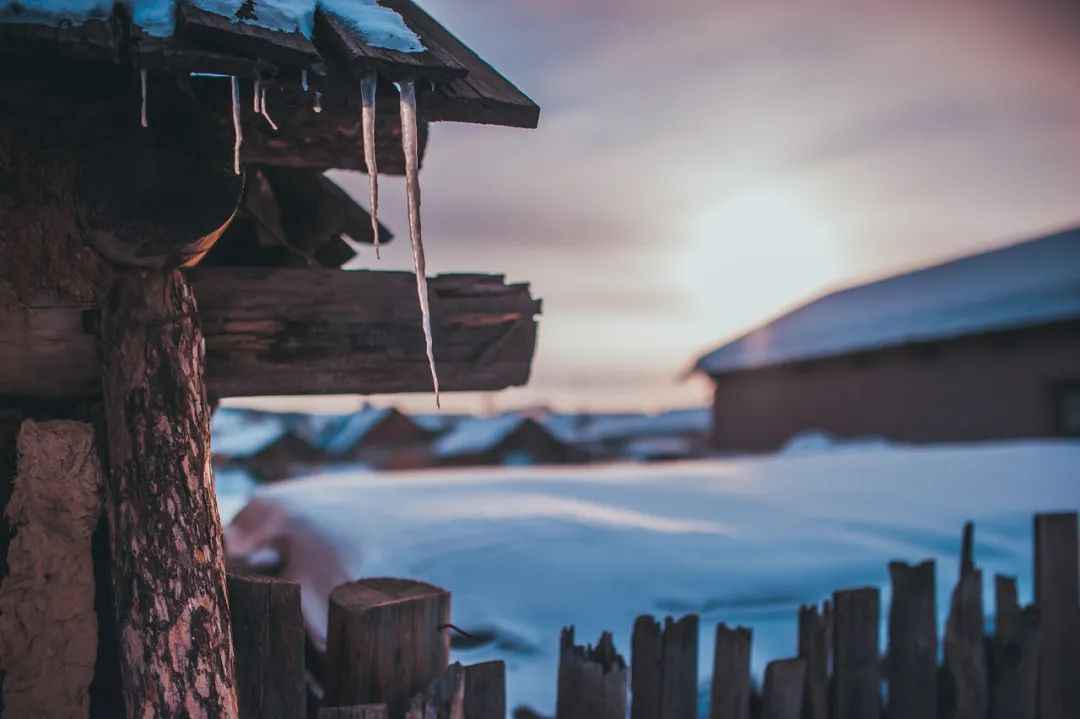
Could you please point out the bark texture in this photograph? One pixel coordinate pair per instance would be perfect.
(165, 532)
(48, 628)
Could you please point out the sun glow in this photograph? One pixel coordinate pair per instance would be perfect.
(757, 253)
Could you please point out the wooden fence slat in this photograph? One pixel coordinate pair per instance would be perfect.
(730, 693)
(268, 636)
(592, 682)
(965, 694)
(385, 642)
(663, 668)
(912, 659)
(814, 651)
(1014, 655)
(856, 665)
(360, 711)
(444, 699)
(485, 691)
(1057, 588)
(783, 692)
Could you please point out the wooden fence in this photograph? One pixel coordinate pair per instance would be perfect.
(387, 654)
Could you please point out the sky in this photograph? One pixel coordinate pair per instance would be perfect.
(701, 166)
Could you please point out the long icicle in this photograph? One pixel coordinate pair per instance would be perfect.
(264, 112)
(368, 87)
(257, 94)
(143, 120)
(410, 145)
(238, 131)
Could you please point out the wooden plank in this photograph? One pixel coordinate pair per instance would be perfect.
(336, 38)
(482, 96)
(782, 694)
(966, 689)
(814, 651)
(485, 691)
(592, 682)
(913, 641)
(729, 696)
(268, 636)
(298, 331)
(1056, 595)
(385, 643)
(664, 668)
(1014, 655)
(210, 31)
(94, 41)
(361, 711)
(856, 666)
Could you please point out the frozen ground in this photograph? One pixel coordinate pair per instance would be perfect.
(526, 551)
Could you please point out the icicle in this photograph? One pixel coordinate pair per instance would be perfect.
(368, 87)
(303, 80)
(410, 145)
(256, 97)
(318, 101)
(142, 83)
(264, 112)
(238, 131)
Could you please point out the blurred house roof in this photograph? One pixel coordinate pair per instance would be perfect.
(1027, 284)
(241, 434)
(477, 434)
(599, 428)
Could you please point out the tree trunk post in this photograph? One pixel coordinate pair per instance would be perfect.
(729, 697)
(1056, 596)
(814, 650)
(485, 691)
(268, 633)
(782, 694)
(663, 668)
(966, 694)
(444, 699)
(1014, 655)
(168, 565)
(913, 642)
(386, 641)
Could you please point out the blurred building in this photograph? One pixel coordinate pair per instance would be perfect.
(509, 439)
(979, 348)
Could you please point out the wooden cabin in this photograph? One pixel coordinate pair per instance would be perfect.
(509, 440)
(984, 347)
(167, 237)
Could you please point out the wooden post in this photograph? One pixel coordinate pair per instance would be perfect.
(485, 691)
(856, 665)
(913, 641)
(783, 692)
(48, 627)
(813, 650)
(444, 699)
(165, 536)
(385, 642)
(663, 668)
(1014, 655)
(1056, 596)
(730, 693)
(592, 682)
(966, 693)
(268, 634)
(364, 711)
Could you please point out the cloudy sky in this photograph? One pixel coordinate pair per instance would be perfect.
(702, 165)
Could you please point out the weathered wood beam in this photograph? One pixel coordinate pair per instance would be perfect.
(168, 558)
(298, 331)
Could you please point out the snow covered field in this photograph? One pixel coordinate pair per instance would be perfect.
(526, 551)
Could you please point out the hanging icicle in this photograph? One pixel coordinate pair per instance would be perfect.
(410, 146)
(303, 80)
(318, 102)
(256, 97)
(238, 131)
(143, 120)
(368, 87)
(263, 111)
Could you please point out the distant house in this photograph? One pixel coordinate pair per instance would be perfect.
(380, 437)
(983, 347)
(509, 439)
(675, 434)
(265, 443)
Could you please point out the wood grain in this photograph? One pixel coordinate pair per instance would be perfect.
(911, 669)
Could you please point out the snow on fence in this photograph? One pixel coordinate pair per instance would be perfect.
(388, 648)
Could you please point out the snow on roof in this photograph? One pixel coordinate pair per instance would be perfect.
(337, 434)
(476, 434)
(1026, 284)
(239, 434)
(666, 424)
(378, 26)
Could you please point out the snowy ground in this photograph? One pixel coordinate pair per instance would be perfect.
(526, 551)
